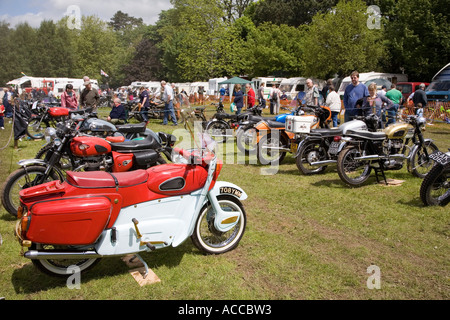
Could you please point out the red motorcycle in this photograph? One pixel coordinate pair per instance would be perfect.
(93, 215)
(45, 117)
(76, 152)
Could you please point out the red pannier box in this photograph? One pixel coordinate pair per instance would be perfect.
(69, 221)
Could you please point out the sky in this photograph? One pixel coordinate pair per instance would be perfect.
(35, 11)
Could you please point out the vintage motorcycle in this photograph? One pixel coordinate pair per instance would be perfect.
(435, 187)
(320, 147)
(92, 215)
(75, 151)
(46, 117)
(222, 125)
(385, 150)
(275, 139)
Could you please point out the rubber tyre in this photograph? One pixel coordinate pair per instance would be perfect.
(218, 127)
(246, 141)
(308, 150)
(60, 268)
(435, 189)
(263, 156)
(345, 162)
(209, 240)
(417, 165)
(10, 190)
(34, 131)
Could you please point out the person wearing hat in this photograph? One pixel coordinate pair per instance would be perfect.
(89, 97)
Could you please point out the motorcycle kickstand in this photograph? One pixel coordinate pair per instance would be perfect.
(143, 262)
(380, 169)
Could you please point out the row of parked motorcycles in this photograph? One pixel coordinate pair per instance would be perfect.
(97, 190)
(357, 147)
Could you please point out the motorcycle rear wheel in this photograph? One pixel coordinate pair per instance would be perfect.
(211, 241)
(435, 187)
(246, 140)
(308, 153)
(18, 180)
(352, 172)
(269, 150)
(61, 267)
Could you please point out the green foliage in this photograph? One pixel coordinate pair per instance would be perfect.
(339, 41)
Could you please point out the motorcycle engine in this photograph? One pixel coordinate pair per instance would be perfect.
(96, 163)
(393, 146)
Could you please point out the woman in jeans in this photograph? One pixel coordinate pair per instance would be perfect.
(334, 103)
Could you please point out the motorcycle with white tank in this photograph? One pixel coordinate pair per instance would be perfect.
(92, 215)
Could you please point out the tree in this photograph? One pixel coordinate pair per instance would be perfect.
(340, 41)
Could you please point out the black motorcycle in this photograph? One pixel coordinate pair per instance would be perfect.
(435, 188)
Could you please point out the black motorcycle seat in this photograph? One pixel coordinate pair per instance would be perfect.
(255, 118)
(136, 145)
(200, 108)
(132, 128)
(367, 135)
(327, 132)
(275, 124)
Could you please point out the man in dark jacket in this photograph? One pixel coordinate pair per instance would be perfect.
(89, 97)
(420, 96)
(118, 114)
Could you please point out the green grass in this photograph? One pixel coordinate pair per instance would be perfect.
(307, 237)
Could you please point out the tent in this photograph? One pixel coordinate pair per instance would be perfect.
(235, 80)
(231, 82)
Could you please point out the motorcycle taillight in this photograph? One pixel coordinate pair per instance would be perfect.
(337, 138)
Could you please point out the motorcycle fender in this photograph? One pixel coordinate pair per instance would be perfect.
(303, 142)
(415, 147)
(225, 220)
(38, 162)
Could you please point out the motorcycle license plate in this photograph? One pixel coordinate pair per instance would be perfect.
(334, 148)
(294, 147)
(440, 157)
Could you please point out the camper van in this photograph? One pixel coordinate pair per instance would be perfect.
(439, 89)
(214, 86)
(379, 78)
(293, 86)
(269, 81)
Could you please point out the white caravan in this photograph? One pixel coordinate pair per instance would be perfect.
(379, 78)
(293, 86)
(269, 81)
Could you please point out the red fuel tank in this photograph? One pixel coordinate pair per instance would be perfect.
(58, 112)
(89, 146)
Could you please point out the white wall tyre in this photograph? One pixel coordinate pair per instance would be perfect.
(211, 241)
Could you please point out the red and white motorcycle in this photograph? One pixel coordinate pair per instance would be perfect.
(99, 214)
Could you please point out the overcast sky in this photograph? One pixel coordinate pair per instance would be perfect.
(34, 11)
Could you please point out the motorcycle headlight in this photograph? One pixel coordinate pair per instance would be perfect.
(50, 134)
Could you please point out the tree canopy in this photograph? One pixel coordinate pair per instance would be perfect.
(200, 39)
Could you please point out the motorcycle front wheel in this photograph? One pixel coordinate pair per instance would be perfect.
(419, 163)
(246, 140)
(212, 241)
(61, 267)
(309, 153)
(218, 130)
(271, 150)
(353, 172)
(36, 129)
(435, 188)
(21, 179)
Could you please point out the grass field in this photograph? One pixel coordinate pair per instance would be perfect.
(307, 237)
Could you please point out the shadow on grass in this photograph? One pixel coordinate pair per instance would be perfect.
(27, 279)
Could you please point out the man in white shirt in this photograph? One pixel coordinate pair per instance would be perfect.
(334, 103)
(168, 100)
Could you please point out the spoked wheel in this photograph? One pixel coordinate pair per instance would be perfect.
(309, 153)
(246, 140)
(218, 131)
(352, 171)
(18, 180)
(435, 188)
(36, 129)
(271, 150)
(420, 163)
(61, 267)
(212, 241)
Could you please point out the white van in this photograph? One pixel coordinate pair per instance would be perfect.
(214, 86)
(292, 86)
(269, 81)
(379, 78)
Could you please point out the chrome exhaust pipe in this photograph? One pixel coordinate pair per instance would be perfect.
(377, 157)
(323, 163)
(35, 255)
(276, 148)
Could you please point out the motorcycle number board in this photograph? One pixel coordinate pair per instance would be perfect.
(334, 148)
(440, 157)
(230, 190)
